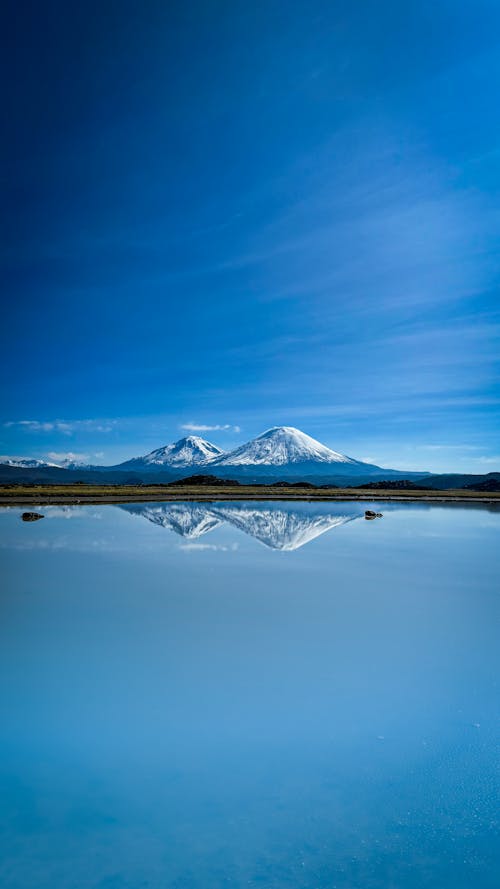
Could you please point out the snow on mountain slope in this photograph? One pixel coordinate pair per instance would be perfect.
(26, 462)
(281, 452)
(189, 451)
(75, 464)
(280, 446)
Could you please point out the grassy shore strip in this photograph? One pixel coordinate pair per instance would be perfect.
(21, 495)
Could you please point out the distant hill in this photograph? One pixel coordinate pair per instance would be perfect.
(48, 475)
(205, 481)
(403, 484)
(488, 484)
(296, 485)
(459, 480)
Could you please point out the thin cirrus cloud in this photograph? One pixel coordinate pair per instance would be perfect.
(207, 547)
(62, 426)
(216, 427)
(448, 447)
(72, 457)
(489, 461)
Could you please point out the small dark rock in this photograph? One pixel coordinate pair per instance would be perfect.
(31, 516)
(369, 514)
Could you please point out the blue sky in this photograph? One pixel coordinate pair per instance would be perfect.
(234, 215)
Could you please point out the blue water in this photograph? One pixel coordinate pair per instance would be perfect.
(196, 696)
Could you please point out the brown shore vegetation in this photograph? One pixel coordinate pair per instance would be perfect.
(17, 495)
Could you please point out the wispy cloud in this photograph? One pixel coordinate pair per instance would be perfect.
(204, 427)
(65, 427)
(448, 447)
(207, 547)
(489, 461)
(41, 426)
(72, 457)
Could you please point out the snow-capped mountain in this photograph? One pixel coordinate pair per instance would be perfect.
(281, 453)
(285, 528)
(27, 462)
(189, 451)
(74, 464)
(34, 463)
(282, 446)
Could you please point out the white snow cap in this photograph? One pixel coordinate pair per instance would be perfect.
(27, 462)
(189, 451)
(281, 445)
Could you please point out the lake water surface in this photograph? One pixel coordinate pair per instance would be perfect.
(196, 696)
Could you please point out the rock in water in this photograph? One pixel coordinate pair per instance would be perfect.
(369, 514)
(31, 516)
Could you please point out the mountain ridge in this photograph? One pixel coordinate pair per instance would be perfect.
(281, 453)
(280, 446)
(188, 451)
(277, 450)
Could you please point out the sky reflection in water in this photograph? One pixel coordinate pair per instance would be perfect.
(202, 699)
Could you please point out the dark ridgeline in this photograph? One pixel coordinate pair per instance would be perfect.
(403, 484)
(205, 481)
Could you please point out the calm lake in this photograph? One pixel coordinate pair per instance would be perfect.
(196, 696)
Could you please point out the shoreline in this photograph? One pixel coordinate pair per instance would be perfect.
(92, 495)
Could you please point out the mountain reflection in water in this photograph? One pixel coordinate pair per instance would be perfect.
(283, 526)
